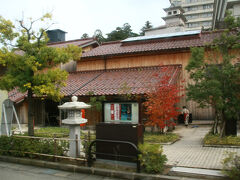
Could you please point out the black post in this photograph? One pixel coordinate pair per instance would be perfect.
(76, 140)
(89, 158)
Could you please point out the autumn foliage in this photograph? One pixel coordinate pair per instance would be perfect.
(161, 102)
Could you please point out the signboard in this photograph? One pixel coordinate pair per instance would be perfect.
(121, 112)
(8, 111)
(6, 117)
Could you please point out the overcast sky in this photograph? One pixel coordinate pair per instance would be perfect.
(85, 16)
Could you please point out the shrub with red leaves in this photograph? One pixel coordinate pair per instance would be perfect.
(161, 102)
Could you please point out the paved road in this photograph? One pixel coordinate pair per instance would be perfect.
(11, 171)
(189, 152)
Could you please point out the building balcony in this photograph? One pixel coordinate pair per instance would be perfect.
(199, 19)
(198, 11)
(197, 3)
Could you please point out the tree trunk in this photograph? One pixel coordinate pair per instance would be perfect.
(214, 126)
(152, 129)
(216, 122)
(30, 114)
(222, 131)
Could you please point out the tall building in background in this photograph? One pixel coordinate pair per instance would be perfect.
(174, 22)
(191, 15)
(220, 8)
(199, 13)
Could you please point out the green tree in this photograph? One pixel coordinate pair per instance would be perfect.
(85, 35)
(148, 25)
(216, 79)
(121, 33)
(31, 64)
(99, 36)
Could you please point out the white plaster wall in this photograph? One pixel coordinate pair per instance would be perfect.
(174, 20)
(165, 30)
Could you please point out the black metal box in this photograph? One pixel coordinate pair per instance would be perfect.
(124, 132)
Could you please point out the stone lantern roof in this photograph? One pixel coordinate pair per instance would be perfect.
(74, 104)
(74, 113)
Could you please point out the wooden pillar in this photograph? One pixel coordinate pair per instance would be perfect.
(139, 100)
(43, 112)
(60, 115)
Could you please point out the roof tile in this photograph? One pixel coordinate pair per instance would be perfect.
(123, 81)
(77, 42)
(182, 42)
(113, 82)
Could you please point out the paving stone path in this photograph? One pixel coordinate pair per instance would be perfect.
(189, 152)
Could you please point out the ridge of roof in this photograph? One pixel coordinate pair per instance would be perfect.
(127, 69)
(69, 41)
(111, 42)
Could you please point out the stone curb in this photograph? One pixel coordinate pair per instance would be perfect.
(220, 146)
(88, 170)
(168, 143)
(200, 176)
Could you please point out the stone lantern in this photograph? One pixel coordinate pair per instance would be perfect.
(74, 119)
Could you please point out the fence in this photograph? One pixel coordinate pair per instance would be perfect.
(56, 148)
(115, 145)
(50, 148)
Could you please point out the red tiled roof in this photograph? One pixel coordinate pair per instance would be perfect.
(16, 96)
(113, 82)
(182, 42)
(120, 81)
(77, 42)
(77, 80)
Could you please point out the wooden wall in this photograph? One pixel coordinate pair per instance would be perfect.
(39, 112)
(134, 61)
(90, 65)
(150, 60)
(22, 112)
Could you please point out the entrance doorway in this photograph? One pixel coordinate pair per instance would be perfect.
(52, 113)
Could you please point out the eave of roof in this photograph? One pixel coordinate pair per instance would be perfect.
(174, 16)
(173, 8)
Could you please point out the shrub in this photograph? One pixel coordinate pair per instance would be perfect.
(231, 165)
(152, 158)
(216, 140)
(23, 147)
(58, 132)
(160, 138)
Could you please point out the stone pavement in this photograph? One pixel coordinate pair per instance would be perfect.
(189, 152)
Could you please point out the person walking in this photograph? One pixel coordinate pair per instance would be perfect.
(185, 113)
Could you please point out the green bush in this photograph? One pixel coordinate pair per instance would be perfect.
(58, 132)
(23, 147)
(152, 158)
(150, 137)
(211, 139)
(231, 165)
